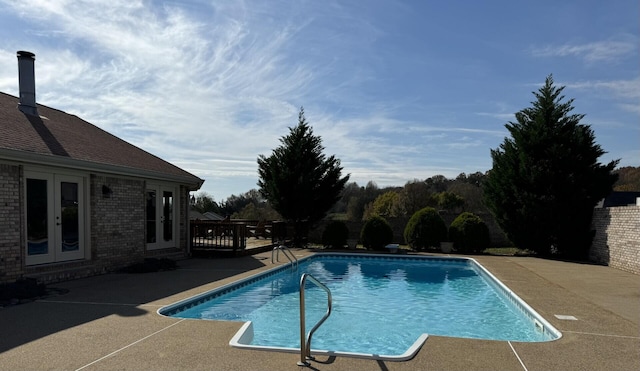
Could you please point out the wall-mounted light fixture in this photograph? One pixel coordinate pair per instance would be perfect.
(106, 191)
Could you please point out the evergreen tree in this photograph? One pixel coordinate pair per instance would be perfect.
(298, 180)
(546, 178)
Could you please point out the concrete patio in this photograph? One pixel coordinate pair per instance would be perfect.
(110, 322)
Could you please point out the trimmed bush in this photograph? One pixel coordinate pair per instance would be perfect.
(425, 229)
(376, 233)
(469, 233)
(335, 234)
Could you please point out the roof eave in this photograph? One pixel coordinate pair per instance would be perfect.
(192, 182)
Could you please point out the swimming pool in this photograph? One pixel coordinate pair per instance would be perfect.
(383, 306)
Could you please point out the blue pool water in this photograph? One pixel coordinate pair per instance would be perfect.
(381, 305)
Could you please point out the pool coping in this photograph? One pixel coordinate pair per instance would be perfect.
(538, 320)
(244, 336)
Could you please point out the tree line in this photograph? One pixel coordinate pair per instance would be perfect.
(357, 202)
(462, 193)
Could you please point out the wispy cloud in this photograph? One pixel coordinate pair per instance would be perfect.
(160, 73)
(631, 107)
(628, 89)
(498, 115)
(599, 51)
(627, 92)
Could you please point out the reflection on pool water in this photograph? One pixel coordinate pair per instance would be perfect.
(382, 305)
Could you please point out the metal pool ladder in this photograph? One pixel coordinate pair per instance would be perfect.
(305, 342)
(286, 252)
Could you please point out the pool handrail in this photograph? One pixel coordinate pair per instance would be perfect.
(287, 253)
(305, 343)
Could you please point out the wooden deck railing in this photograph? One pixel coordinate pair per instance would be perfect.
(232, 235)
(219, 235)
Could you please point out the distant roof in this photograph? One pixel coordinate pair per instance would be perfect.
(210, 215)
(57, 137)
(195, 215)
(620, 199)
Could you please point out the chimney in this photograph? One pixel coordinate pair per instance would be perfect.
(27, 82)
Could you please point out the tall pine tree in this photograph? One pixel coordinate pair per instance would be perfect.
(546, 178)
(298, 180)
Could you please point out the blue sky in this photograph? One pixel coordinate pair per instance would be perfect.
(398, 90)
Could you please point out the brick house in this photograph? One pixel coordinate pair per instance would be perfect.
(77, 201)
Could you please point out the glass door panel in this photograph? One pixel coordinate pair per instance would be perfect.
(70, 223)
(167, 216)
(151, 216)
(39, 204)
(69, 217)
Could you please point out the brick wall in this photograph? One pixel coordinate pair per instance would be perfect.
(117, 221)
(10, 238)
(617, 239)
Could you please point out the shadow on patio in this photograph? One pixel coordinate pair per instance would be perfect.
(120, 294)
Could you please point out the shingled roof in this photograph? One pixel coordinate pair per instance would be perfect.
(55, 137)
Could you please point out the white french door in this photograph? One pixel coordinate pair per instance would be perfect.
(160, 216)
(55, 215)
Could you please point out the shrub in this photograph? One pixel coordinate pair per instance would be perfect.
(376, 233)
(469, 233)
(425, 228)
(335, 234)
